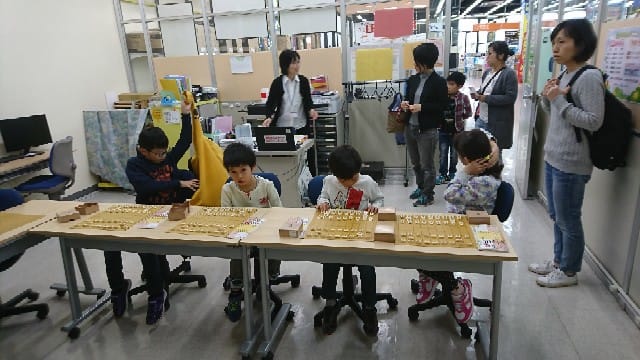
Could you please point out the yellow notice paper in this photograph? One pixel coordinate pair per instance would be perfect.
(407, 53)
(374, 64)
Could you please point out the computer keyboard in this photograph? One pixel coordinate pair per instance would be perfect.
(8, 158)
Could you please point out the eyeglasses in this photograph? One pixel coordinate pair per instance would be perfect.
(159, 154)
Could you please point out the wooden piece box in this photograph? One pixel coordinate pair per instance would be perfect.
(292, 228)
(478, 217)
(88, 208)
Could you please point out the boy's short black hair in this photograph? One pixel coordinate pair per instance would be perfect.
(287, 56)
(345, 162)
(457, 77)
(153, 138)
(501, 48)
(583, 35)
(474, 144)
(426, 54)
(238, 154)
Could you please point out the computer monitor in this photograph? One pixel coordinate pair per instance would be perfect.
(22, 133)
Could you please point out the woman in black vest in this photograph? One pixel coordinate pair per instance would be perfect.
(289, 102)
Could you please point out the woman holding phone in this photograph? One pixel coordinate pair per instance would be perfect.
(497, 95)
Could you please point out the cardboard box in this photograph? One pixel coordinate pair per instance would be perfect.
(135, 96)
(385, 231)
(478, 217)
(292, 228)
(386, 214)
(135, 41)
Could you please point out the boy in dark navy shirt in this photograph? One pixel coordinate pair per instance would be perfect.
(157, 181)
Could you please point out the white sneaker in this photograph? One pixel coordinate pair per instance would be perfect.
(542, 268)
(557, 278)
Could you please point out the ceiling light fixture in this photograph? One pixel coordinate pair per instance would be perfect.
(496, 8)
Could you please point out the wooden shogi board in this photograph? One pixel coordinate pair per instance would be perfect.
(442, 230)
(118, 217)
(215, 221)
(340, 224)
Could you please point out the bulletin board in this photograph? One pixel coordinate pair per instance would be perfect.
(243, 87)
(246, 87)
(603, 39)
(195, 67)
(323, 62)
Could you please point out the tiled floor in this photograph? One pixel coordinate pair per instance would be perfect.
(582, 322)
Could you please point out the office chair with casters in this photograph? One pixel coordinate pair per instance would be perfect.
(502, 209)
(346, 297)
(281, 279)
(8, 199)
(63, 172)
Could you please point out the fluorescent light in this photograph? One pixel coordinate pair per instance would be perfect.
(475, 3)
(497, 7)
(419, 6)
(440, 6)
(391, 8)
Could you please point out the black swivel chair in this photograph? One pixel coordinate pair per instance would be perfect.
(502, 209)
(348, 296)
(8, 199)
(282, 279)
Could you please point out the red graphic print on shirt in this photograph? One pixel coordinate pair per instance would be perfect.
(163, 173)
(354, 197)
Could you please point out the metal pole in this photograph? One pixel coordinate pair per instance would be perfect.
(123, 45)
(274, 39)
(602, 18)
(344, 34)
(446, 47)
(147, 45)
(207, 39)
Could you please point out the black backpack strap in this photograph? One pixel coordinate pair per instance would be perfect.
(570, 98)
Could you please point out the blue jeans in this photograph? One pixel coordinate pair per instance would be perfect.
(482, 124)
(565, 193)
(448, 156)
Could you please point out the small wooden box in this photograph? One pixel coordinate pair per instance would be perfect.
(178, 211)
(67, 216)
(386, 214)
(478, 217)
(292, 228)
(88, 208)
(385, 231)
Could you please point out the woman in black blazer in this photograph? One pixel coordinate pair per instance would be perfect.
(289, 102)
(290, 106)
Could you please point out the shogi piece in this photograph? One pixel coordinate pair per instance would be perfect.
(67, 216)
(179, 211)
(478, 217)
(387, 214)
(88, 208)
(292, 228)
(385, 231)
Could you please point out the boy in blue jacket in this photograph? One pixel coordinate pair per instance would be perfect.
(157, 181)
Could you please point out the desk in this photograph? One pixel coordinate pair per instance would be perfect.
(288, 166)
(157, 241)
(16, 241)
(376, 254)
(13, 169)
